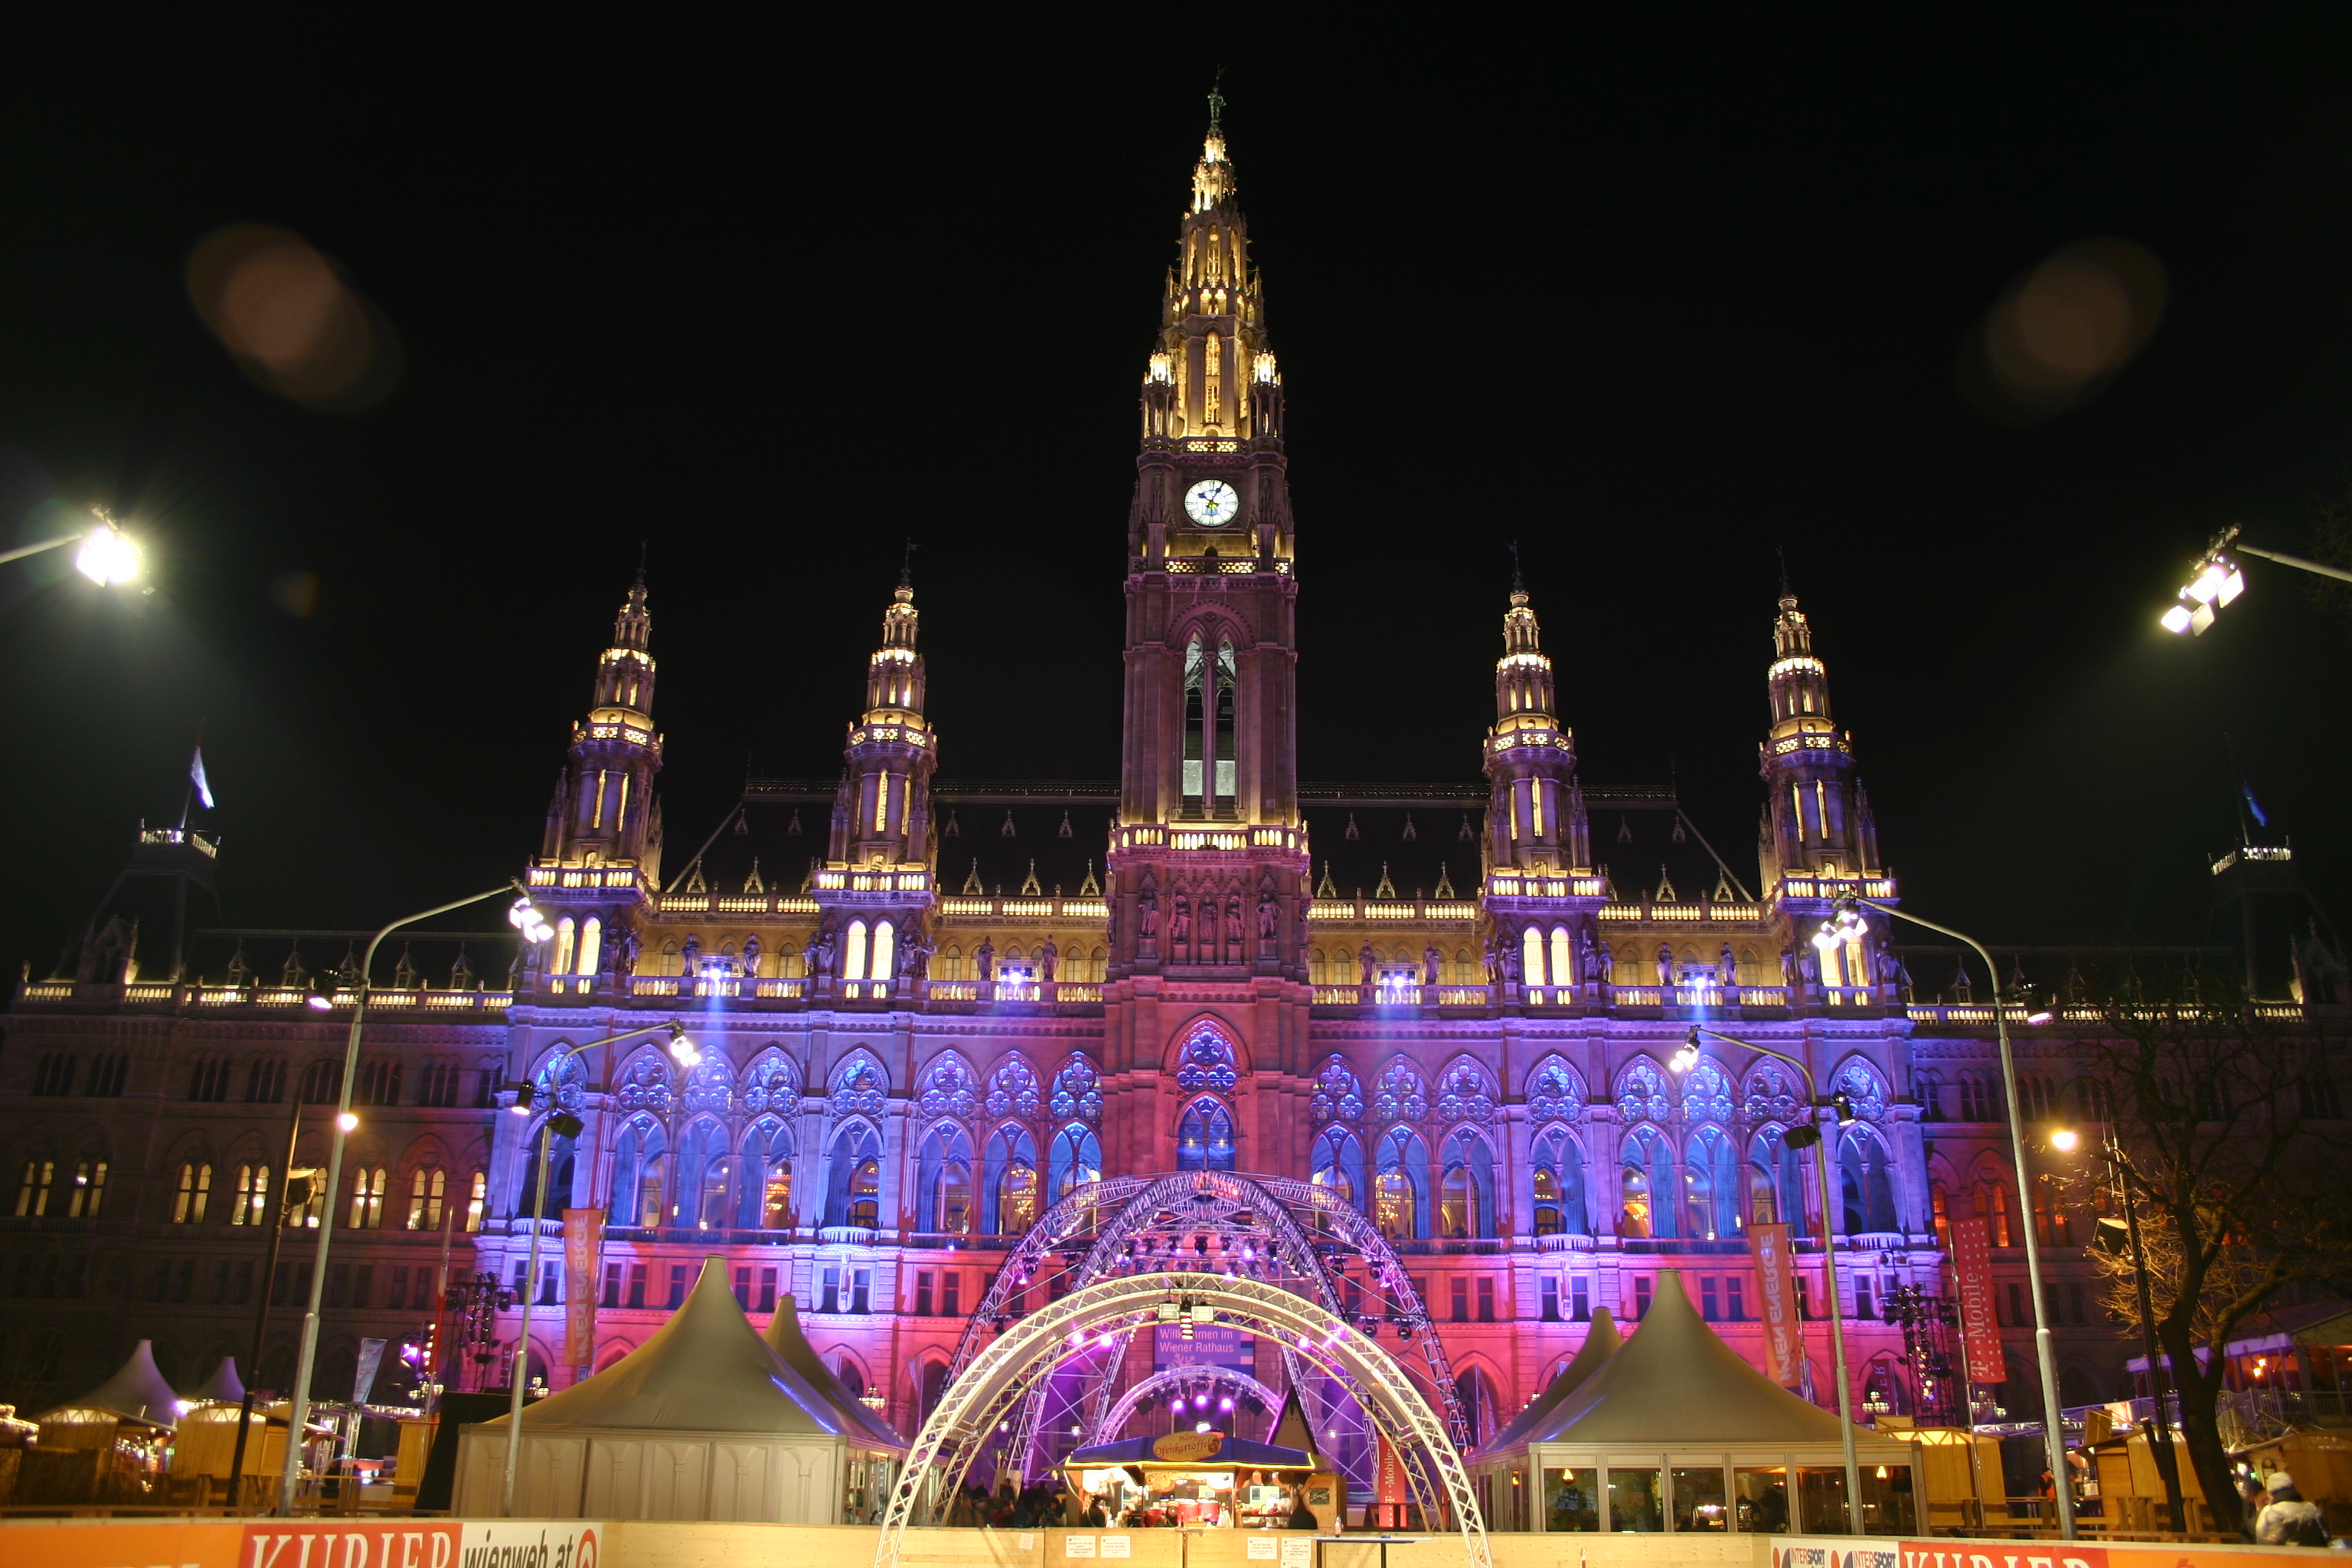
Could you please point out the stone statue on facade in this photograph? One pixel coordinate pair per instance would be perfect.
(1787, 965)
(1365, 958)
(1180, 924)
(1429, 961)
(825, 940)
(752, 956)
(1729, 965)
(1666, 967)
(1269, 916)
(1049, 958)
(1233, 926)
(689, 957)
(1607, 959)
(1147, 920)
(624, 962)
(983, 958)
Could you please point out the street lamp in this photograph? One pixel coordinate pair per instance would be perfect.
(1849, 925)
(2215, 581)
(107, 557)
(682, 1050)
(1799, 1138)
(526, 920)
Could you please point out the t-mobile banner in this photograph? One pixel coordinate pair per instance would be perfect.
(1972, 1281)
(582, 1229)
(1775, 1289)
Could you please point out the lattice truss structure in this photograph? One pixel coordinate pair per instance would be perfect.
(1095, 1316)
(1283, 1231)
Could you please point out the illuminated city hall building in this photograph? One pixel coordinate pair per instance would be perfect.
(930, 1011)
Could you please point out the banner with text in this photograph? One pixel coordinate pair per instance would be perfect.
(584, 1231)
(1207, 1346)
(1845, 1552)
(382, 1543)
(1775, 1289)
(1972, 1282)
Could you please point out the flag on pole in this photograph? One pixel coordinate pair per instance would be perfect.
(2251, 803)
(196, 777)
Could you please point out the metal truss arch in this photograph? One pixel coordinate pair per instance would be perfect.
(1002, 1373)
(1159, 1383)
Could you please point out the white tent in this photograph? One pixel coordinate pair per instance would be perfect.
(875, 1449)
(222, 1387)
(1601, 1343)
(703, 1421)
(136, 1391)
(1677, 1431)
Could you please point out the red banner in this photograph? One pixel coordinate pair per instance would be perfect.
(1775, 1292)
(1389, 1491)
(1972, 1282)
(583, 1234)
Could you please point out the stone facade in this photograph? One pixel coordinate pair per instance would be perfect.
(903, 1064)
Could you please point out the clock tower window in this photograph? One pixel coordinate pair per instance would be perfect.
(1208, 725)
(1212, 384)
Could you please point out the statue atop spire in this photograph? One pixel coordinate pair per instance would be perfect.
(1213, 176)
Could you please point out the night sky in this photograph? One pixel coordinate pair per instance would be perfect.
(1649, 303)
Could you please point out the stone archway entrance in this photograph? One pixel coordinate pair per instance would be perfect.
(999, 1377)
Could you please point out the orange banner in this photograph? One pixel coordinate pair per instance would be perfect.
(1775, 1292)
(584, 1233)
(1972, 1283)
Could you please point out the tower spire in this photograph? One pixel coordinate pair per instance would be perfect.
(1537, 820)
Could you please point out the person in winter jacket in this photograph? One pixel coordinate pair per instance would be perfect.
(2287, 1520)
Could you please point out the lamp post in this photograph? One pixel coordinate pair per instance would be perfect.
(1848, 926)
(2214, 580)
(107, 557)
(682, 1051)
(1686, 1058)
(524, 919)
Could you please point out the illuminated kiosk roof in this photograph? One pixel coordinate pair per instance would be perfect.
(1601, 1342)
(1676, 1381)
(866, 1428)
(1196, 1454)
(706, 1369)
(136, 1391)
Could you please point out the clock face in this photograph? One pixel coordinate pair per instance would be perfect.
(1211, 503)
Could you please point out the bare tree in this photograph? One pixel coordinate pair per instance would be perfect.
(2227, 1132)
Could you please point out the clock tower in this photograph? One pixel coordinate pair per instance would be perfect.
(1209, 857)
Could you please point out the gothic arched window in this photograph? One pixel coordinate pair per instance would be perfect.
(943, 1178)
(1466, 1188)
(1077, 1160)
(1009, 1196)
(1865, 1181)
(1338, 1165)
(1647, 1186)
(1711, 1180)
(1207, 1061)
(1205, 1138)
(1400, 1186)
(1558, 1186)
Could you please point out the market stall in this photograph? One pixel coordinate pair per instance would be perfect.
(875, 1450)
(1677, 1432)
(110, 1444)
(704, 1420)
(1202, 1478)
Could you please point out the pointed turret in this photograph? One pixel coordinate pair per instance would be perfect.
(1537, 818)
(877, 886)
(882, 813)
(602, 812)
(1820, 823)
(601, 855)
